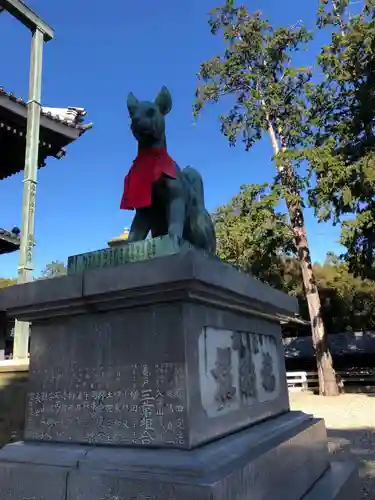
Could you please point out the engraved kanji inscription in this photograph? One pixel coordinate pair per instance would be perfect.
(268, 377)
(222, 373)
(241, 343)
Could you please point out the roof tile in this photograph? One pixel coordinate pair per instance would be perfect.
(80, 112)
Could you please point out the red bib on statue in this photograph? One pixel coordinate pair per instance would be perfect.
(147, 168)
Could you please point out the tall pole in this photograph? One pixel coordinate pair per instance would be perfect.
(25, 269)
(41, 32)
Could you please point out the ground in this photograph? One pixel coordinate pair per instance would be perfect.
(350, 422)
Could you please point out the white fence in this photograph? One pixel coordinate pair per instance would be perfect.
(18, 365)
(304, 381)
(297, 381)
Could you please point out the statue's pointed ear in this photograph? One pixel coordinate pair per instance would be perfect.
(164, 101)
(132, 103)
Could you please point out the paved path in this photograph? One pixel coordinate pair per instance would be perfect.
(350, 421)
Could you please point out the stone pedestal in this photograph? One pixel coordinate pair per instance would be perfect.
(175, 367)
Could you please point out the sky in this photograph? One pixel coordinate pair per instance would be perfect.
(98, 55)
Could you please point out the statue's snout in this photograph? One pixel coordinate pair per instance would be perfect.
(143, 126)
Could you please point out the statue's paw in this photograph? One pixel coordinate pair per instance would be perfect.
(175, 238)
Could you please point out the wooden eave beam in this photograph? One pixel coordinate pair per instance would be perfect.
(71, 132)
(27, 17)
(8, 244)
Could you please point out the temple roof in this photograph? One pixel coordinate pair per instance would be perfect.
(9, 240)
(58, 128)
(340, 344)
(71, 117)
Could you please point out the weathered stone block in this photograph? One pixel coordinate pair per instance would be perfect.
(153, 376)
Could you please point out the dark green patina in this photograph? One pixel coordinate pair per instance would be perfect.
(126, 253)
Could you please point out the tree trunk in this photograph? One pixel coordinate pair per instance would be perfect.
(326, 374)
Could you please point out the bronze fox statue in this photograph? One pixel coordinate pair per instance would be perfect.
(167, 200)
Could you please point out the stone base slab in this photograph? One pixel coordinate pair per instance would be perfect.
(280, 459)
(340, 482)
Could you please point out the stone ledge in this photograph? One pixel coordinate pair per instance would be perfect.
(161, 279)
(292, 430)
(214, 459)
(43, 454)
(187, 266)
(63, 289)
(260, 462)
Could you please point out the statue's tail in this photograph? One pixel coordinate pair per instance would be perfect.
(201, 227)
(195, 181)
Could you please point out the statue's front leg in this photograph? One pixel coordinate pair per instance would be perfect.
(176, 210)
(140, 226)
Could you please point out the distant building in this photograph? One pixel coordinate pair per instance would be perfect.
(9, 240)
(348, 349)
(118, 240)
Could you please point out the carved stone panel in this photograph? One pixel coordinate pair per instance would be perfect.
(137, 404)
(218, 372)
(237, 369)
(97, 379)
